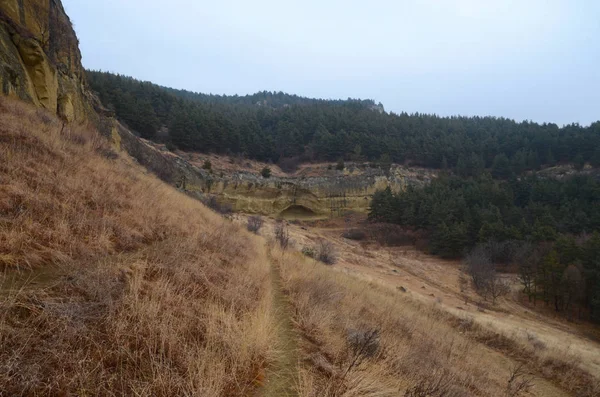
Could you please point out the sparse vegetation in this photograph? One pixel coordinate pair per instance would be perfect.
(355, 234)
(519, 382)
(266, 172)
(427, 351)
(170, 146)
(254, 224)
(325, 252)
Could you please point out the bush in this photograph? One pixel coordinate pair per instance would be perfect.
(170, 146)
(282, 235)
(354, 234)
(325, 252)
(486, 281)
(207, 165)
(266, 172)
(309, 251)
(254, 224)
(340, 165)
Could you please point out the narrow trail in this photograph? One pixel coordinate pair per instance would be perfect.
(282, 376)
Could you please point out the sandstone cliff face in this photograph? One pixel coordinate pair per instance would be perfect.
(304, 197)
(40, 60)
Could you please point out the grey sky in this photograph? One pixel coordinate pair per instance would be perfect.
(523, 59)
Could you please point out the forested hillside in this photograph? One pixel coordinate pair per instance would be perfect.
(272, 126)
(549, 228)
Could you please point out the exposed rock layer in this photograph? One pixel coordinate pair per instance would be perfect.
(40, 60)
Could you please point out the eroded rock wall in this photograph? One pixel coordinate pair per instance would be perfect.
(317, 197)
(40, 61)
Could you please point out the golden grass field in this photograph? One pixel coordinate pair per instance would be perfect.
(113, 283)
(435, 340)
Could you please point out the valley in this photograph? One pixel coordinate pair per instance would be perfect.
(162, 242)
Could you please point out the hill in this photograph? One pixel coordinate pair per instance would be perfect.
(308, 129)
(114, 282)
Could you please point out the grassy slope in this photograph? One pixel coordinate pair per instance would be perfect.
(425, 349)
(114, 283)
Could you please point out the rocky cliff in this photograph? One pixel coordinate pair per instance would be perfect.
(311, 197)
(317, 196)
(40, 60)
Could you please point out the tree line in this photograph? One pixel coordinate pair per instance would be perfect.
(272, 126)
(549, 228)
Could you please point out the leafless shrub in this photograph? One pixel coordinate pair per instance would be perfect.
(466, 324)
(519, 381)
(535, 342)
(437, 385)
(255, 223)
(41, 17)
(502, 252)
(282, 235)
(309, 251)
(361, 346)
(355, 234)
(326, 252)
(107, 153)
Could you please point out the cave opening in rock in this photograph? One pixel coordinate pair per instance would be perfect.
(297, 212)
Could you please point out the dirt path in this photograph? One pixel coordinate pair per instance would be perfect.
(282, 377)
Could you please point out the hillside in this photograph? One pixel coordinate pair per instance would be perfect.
(124, 271)
(113, 283)
(309, 130)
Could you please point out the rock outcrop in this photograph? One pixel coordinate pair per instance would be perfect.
(40, 61)
(331, 194)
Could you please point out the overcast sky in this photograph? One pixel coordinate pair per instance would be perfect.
(523, 59)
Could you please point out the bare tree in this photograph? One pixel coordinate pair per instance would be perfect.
(41, 17)
(573, 287)
(486, 281)
(527, 262)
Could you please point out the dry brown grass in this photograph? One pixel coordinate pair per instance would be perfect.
(415, 349)
(423, 350)
(145, 291)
